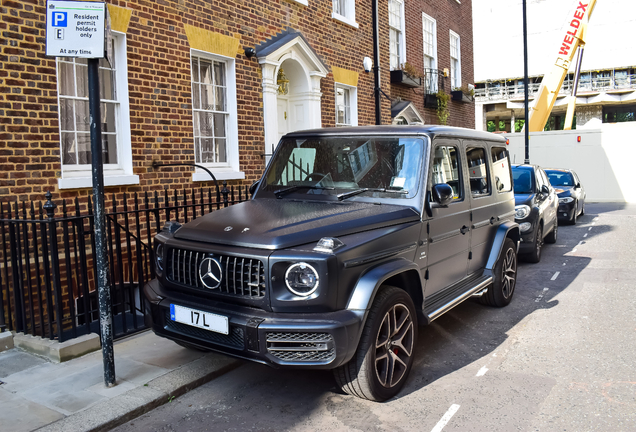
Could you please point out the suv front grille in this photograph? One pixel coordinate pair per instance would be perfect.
(301, 347)
(240, 277)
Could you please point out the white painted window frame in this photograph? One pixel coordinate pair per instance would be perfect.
(350, 18)
(227, 170)
(430, 75)
(353, 102)
(402, 37)
(122, 172)
(456, 79)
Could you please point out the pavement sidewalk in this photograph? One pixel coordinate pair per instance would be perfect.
(71, 396)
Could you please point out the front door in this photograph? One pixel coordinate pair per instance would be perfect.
(448, 234)
(283, 117)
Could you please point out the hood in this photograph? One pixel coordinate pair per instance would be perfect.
(278, 224)
(523, 198)
(564, 191)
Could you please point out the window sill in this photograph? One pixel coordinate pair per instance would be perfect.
(344, 19)
(87, 182)
(201, 176)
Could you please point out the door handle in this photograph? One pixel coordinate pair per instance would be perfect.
(464, 229)
(493, 220)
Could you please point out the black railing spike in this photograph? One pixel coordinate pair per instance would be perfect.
(49, 206)
(225, 193)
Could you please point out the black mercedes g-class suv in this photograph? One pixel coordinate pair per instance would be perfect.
(353, 238)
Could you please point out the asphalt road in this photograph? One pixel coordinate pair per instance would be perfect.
(560, 357)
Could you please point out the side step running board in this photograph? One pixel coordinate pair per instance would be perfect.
(438, 308)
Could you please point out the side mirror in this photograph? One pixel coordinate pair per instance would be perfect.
(442, 194)
(545, 190)
(253, 187)
(578, 186)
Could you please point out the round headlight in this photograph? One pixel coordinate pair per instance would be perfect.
(301, 279)
(159, 256)
(522, 211)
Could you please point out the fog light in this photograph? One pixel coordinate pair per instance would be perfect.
(301, 279)
(525, 226)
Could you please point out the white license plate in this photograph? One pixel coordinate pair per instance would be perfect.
(200, 319)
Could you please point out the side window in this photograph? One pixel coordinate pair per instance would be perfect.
(540, 180)
(446, 169)
(501, 169)
(478, 171)
(544, 177)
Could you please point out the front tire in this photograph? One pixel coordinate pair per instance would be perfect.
(535, 255)
(500, 293)
(552, 237)
(574, 214)
(384, 357)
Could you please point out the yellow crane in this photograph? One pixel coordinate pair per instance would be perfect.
(573, 40)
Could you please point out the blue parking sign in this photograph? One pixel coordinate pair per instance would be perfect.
(60, 19)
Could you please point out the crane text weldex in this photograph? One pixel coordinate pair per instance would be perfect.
(574, 25)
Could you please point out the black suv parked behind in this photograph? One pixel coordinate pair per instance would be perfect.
(353, 238)
(536, 205)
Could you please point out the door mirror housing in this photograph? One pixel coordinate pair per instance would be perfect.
(545, 190)
(253, 187)
(442, 194)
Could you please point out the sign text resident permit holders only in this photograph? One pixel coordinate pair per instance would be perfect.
(75, 29)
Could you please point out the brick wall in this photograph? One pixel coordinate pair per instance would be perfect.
(450, 15)
(159, 81)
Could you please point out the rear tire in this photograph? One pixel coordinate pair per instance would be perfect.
(535, 255)
(583, 209)
(500, 293)
(383, 360)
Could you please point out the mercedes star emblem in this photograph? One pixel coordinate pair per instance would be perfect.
(210, 273)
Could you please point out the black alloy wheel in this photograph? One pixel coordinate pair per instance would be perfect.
(384, 356)
(504, 281)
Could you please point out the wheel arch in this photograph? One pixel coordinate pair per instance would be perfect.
(505, 230)
(400, 273)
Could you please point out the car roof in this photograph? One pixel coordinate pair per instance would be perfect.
(524, 166)
(567, 170)
(428, 130)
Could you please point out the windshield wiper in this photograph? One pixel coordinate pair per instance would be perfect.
(346, 195)
(279, 193)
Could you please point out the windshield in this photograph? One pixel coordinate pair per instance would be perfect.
(523, 180)
(560, 178)
(334, 166)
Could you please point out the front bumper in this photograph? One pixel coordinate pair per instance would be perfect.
(526, 244)
(307, 340)
(566, 210)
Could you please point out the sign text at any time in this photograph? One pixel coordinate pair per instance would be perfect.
(75, 29)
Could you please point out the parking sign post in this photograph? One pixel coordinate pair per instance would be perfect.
(77, 29)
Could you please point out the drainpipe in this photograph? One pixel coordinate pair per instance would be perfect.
(376, 62)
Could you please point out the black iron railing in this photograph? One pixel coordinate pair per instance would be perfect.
(47, 272)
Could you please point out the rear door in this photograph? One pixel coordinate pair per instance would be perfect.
(483, 203)
(448, 230)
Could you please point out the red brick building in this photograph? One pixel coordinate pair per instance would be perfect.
(184, 88)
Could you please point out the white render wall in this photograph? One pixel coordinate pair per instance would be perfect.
(498, 36)
(605, 159)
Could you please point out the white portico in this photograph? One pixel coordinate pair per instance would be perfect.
(291, 73)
